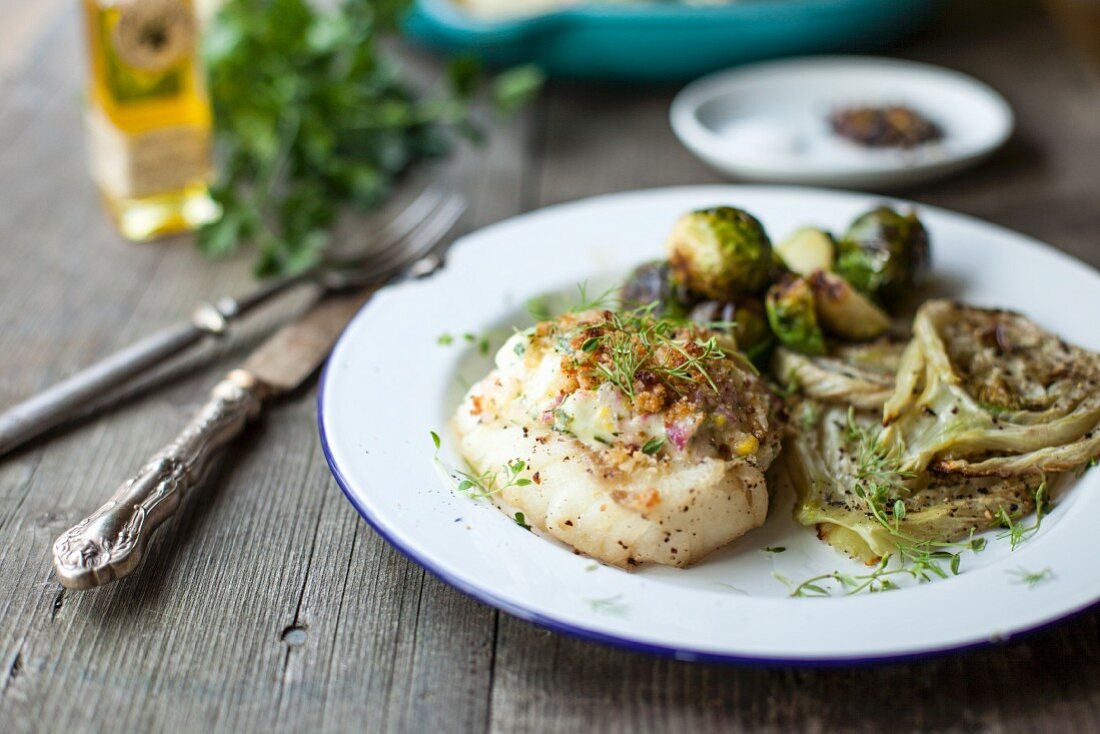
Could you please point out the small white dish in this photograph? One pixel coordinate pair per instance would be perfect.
(769, 122)
(391, 381)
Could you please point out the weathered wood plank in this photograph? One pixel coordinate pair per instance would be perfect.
(600, 139)
(1044, 182)
(549, 683)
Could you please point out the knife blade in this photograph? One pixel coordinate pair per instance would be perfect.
(111, 542)
(288, 357)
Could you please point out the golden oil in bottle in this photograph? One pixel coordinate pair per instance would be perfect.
(148, 115)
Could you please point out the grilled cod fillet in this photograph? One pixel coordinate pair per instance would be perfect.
(643, 441)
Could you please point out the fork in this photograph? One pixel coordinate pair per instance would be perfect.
(405, 245)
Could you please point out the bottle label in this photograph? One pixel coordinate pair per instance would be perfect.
(136, 166)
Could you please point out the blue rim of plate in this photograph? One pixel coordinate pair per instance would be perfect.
(624, 642)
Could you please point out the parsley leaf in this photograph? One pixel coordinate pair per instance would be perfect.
(312, 115)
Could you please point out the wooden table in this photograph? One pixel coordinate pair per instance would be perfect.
(268, 604)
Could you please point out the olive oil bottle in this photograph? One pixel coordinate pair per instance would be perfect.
(148, 115)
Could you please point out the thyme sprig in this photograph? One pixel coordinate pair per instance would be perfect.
(492, 481)
(1031, 579)
(547, 306)
(1014, 531)
(482, 485)
(632, 340)
(880, 482)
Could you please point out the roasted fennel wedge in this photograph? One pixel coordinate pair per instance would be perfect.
(860, 375)
(989, 393)
(861, 504)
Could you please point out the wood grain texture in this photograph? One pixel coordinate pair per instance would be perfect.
(266, 604)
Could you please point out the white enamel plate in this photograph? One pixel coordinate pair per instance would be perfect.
(391, 382)
(769, 121)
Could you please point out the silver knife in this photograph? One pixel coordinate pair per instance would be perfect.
(110, 543)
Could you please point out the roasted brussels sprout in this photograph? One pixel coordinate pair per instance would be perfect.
(843, 311)
(807, 250)
(654, 282)
(882, 254)
(793, 316)
(721, 253)
(750, 324)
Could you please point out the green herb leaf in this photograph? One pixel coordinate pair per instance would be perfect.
(653, 445)
(522, 521)
(514, 88)
(1031, 579)
(445, 340)
(312, 116)
(539, 308)
(435, 440)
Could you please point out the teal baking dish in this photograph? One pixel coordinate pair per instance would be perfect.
(666, 41)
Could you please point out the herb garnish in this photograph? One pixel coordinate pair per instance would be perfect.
(653, 445)
(877, 580)
(487, 483)
(621, 344)
(1017, 533)
(610, 605)
(310, 114)
(880, 483)
(1031, 578)
(491, 481)
(539, 308)
(521, 521)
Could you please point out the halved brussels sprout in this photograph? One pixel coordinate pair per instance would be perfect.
(987, 392)
(793, 316)
(843, 311)
(882, 254)
(721, 253)
(860, 375)
(807, 250)
(654, 282)
(750, 324)
(826, 463)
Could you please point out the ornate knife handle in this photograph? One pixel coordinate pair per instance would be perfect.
(110, 543)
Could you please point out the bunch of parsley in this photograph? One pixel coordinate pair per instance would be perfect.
(311, 115)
